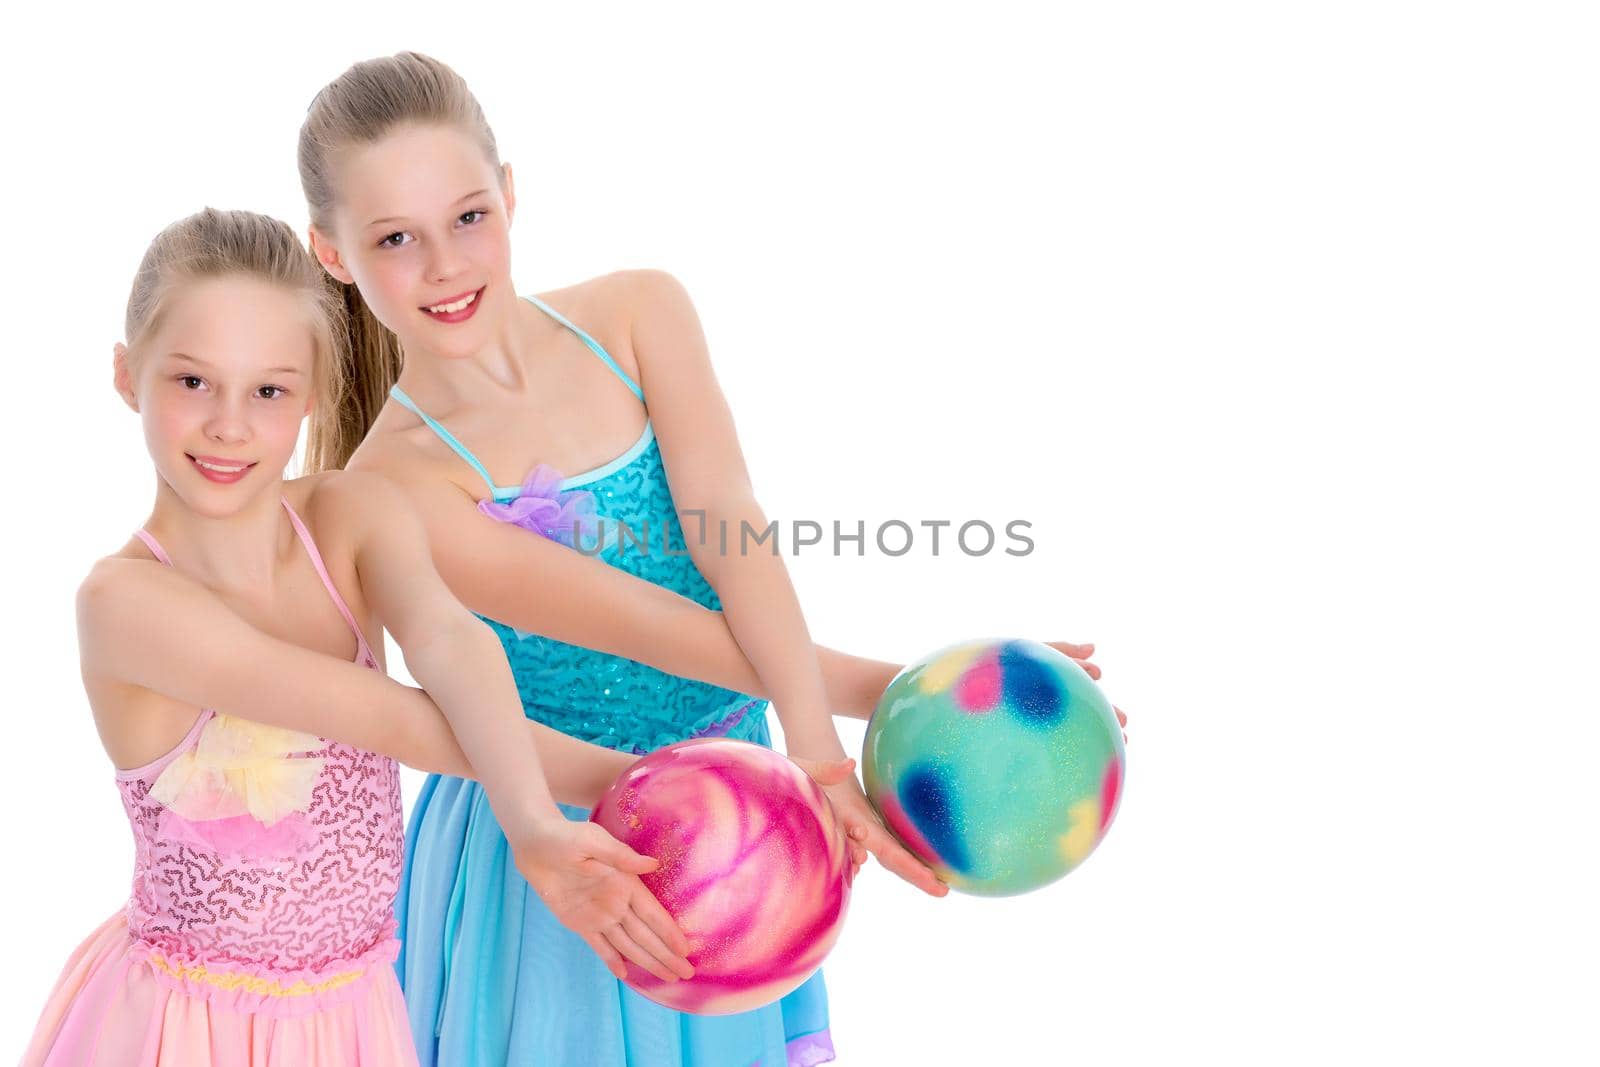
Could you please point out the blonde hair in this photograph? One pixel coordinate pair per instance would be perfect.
(360, 107)
(221, 244)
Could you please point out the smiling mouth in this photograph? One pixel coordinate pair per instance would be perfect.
(220, 470)
(461, 303)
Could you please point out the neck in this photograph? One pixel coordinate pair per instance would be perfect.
(237, 551)
(495, 372)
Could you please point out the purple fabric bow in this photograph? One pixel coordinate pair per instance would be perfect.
(544, 509)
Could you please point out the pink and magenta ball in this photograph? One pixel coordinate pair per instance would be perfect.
(755, 868)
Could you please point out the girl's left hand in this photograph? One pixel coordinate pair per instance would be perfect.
(1080, 655)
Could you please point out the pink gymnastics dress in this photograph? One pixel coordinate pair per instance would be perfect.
(261, 928)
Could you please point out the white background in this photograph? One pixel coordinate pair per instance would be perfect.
(1276, 320)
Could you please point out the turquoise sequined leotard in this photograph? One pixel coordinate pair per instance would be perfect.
(489, 976)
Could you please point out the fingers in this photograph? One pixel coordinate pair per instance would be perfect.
(607, 954)
(1122, 716)
(826, 772)
(858, 851)
(1079, 654)
(622, 941)
(851, 804)
(898, 861)
(647, 939)
(608, 850)
(660, 921)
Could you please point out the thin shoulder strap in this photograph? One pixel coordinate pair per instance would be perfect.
(444, 435)
(364, 650)
(594, 346)
(153, 545)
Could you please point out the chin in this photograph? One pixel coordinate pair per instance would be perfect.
(456, 342)
(214, 505)
(210, 501)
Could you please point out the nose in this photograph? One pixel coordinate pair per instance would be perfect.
(227, 424)
(446, 262)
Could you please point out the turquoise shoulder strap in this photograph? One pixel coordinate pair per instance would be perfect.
(446, 436)
(594, 346)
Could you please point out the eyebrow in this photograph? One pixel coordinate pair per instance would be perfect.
(187, 358)
(401, 218)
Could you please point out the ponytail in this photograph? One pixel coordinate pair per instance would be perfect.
(371, 361)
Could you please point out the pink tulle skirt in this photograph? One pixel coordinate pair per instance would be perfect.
(113, 1005)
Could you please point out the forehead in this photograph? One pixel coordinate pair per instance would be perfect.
(410, 171)
(236, 323)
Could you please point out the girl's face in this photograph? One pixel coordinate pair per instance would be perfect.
(422, 228)
(223, 383)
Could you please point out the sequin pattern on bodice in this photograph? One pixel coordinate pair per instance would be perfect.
(609, 700)
(310, 892)
(612, 700)
(266, 859)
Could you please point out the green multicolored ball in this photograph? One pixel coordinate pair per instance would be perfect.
(998, 763)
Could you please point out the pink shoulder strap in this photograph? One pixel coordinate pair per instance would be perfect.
(363, 651)
(153, 545)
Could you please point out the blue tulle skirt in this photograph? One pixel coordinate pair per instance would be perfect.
(490, 976)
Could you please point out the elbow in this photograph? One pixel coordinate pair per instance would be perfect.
(463, 643)
(462, 638)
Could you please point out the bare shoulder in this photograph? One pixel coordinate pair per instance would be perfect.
(342, 489)
(390, 449)
(611, 306)
(616, 299)
(345, 503)
(105, 580)
(122, 589)
(627, 294)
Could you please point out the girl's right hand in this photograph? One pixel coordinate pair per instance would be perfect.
(590, 881)
(831, 772)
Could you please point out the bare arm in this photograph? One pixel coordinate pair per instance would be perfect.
(541, 587)
(195, 657)
(538, 586)
(451, 654)
(712, 491)
(587, 878)
(700, 449)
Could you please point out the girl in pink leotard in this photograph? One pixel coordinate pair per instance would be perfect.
(225, 658)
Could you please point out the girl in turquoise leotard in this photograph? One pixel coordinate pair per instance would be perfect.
(488, 973)
(410, 211)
